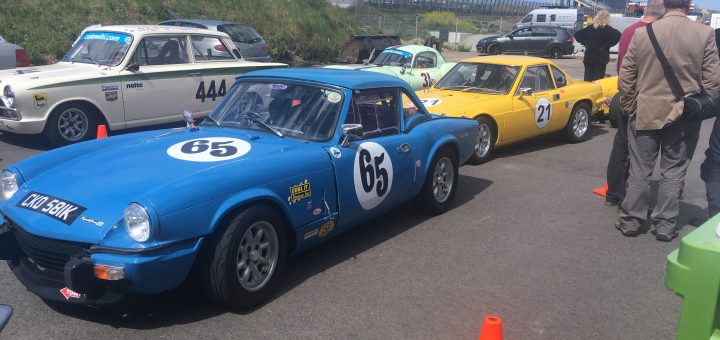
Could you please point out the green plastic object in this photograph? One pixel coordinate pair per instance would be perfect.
(693, 272)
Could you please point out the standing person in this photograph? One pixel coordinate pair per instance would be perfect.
(655, 124)
(617, 169)
(597, 38)
(710, 168)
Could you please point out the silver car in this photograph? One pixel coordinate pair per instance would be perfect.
(250, 44)
(12, 56)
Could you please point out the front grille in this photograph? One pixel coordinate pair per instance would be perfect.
(46, 253)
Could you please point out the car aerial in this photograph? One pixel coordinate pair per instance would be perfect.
(515, 98)
(288, 159)
(12, 56)
(553, 41)
(251, 45)
(122, 76)
(418, 65)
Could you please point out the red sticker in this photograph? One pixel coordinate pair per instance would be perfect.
(67, 293)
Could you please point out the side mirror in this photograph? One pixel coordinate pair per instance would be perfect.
(510, 36)
(5, 314)
(526, 91)
(133, 67)
(351, 132)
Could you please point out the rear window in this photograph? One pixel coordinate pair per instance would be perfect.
(241, 33)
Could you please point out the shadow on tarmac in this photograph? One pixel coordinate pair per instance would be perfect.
(548, 141)
(188, 303)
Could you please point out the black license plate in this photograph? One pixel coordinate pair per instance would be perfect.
(59, 209)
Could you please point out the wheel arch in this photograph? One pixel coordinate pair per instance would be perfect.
(83, 101)
(446, 142)
(551, 46)
(495, 124)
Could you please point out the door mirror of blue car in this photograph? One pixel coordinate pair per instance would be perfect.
(5, 313)
(351, 132)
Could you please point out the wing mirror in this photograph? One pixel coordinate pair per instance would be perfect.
(5, 314)
(133, 67)
(351, 132)
(510, 36)
(526, 91)
(405, 66)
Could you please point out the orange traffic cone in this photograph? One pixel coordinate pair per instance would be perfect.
(102, 131)
(601, 191)
(491, 328)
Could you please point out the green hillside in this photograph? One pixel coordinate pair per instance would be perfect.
(304, 29)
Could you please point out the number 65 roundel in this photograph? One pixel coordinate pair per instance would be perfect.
(373, 174)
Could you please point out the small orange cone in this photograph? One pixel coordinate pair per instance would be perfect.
(491, 328)
(601, 191)
(102, 131)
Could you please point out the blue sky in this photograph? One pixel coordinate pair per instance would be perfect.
(708, 4)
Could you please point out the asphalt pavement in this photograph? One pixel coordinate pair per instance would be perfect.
(526, 240)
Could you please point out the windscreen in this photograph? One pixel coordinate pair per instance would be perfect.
(240, 33)
(101, 48)
(393, 58)
(480, 77)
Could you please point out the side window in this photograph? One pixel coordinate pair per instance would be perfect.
(553, 17)
(560, 79)
(207, 48)
(544, 32)
(425, 60)
(377, 110)
(525, 32)
(161, 50)
(541, 17)
(537, 78)
(527, 18)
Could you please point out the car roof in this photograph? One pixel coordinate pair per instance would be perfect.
(154, 29)
(515, 60)
(206, 22)
(352, 79)
(414, 49)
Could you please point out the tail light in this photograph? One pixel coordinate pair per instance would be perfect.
(21, 58)
(265, 47)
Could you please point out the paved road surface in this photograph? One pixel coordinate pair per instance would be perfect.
(526, 241)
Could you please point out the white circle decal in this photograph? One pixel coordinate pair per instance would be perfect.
(428, 102)
(543, 112)
(211, 149)
(373, 174)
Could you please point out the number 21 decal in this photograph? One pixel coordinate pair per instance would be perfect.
(373, 174)
(543, 112)
(211, 93)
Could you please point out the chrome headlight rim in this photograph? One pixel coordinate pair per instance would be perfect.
(9, 184)
(9, 95)
(138, 222)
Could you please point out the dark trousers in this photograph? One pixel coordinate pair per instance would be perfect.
(710, 171)
(618, 167)
(594, 71)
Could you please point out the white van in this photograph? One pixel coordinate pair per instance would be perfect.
(570, 18)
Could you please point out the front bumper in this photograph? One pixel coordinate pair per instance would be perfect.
(23, 126)
(49, 267)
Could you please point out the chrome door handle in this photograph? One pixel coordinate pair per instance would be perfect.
(405, 147)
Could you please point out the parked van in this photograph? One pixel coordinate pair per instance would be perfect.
(570, 18)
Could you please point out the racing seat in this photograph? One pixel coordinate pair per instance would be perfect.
(169, 53)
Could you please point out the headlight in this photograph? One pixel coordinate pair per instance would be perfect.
(137, 222)
(9, 95)
(8, 185)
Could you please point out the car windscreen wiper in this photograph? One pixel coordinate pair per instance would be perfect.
(215, 122)
(253, 117)
(91, 59)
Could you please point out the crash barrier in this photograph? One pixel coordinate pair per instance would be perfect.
(694, 274)
(366, 47)
(491, 328)
(101, 131)
(601, 191)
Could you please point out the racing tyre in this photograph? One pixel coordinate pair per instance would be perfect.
(71, 123)
(487, 135)
(441, 183)
(615, 110)
(579, 124)
(248, 259)
(494, 49)
(555, 52)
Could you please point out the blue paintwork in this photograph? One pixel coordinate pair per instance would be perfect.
(188, 200)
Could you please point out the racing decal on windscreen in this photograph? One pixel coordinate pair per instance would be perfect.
(373, 174)
(59, 209)
(211, 149)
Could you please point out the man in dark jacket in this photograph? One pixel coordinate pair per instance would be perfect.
(597, 38)
(710, 168)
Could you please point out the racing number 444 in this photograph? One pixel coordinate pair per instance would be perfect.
(211, 92)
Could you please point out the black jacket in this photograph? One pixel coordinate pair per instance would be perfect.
(711, 166)
(597, 43)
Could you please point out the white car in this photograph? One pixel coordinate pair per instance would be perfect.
(122, 76)
(11, 55)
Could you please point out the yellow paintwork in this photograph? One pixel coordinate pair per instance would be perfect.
(513, 115)
(610, 88)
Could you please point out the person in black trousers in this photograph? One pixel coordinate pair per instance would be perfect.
(710, 168)
(597, 38)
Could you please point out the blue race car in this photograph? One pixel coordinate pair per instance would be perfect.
(288, 159)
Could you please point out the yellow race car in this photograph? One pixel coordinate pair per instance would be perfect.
(515, 98)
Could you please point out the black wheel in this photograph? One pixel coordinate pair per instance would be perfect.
(555, 52)
(615, 111)
(441, 183)
(487, 135)
(579, 123)
(248, 259)
(71, 123)
(494, 49)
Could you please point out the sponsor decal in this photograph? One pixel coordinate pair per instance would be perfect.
(111, 96)
(317, 211)
(64, 211)
(67, 293)
(373, 174)
(40, 100)
(418, 163)
(109, 87)
(299, 192)
(543, 112)
(428, 102)
(90, 220)
(278, 87)
(335, 152)
(136, 85)
(311, 233)
(107, 36)
(334, 97)
(211, 149)
(326, 228)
